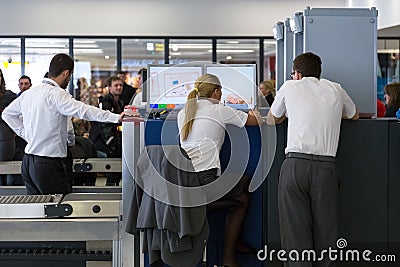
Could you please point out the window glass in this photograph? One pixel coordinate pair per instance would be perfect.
(95, 62)
(238, 51)
(269, 59)
(189, 50)
(388, 69)
(137, 54)
(10, 62)
(38, 54)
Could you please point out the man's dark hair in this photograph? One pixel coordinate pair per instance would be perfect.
(113, 78)
(25, 77)
(308, 64)
(140, 72)
(59, 63)
(122, 72)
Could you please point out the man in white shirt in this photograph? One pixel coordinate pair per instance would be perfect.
(40, 116)
(308, 183)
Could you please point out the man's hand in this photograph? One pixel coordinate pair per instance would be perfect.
(254, 118)
(121, 116)
(272, 120)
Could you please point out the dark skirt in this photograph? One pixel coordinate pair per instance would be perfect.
(208, 176)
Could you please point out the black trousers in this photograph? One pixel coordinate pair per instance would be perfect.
(307, 201)
(45, 175)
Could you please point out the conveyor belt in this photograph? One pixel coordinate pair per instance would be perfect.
(49, 206)
(24, 199)
(85, 217)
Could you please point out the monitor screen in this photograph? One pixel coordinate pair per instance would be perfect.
(169, 85)
(239, 89)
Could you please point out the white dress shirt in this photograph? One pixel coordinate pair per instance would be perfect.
(314, 109)
(41, 114)
(208, 133)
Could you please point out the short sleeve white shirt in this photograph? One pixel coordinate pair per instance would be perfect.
(314, 109)
(208, 133)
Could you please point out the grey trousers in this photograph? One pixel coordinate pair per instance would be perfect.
(307, 201)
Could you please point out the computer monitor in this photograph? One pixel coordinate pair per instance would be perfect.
(239, 89)
(169, 85)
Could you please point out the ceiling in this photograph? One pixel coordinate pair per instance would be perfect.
(390, 32)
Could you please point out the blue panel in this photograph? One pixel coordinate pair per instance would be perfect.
(159, 132)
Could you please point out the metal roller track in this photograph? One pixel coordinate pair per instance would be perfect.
(80, 165)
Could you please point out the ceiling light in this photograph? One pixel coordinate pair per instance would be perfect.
(107, 57)
(233, 51)
(228, 57)
(175, 47)
(192, 46)
(150, 46)
(388, 51)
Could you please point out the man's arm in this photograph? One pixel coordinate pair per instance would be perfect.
(272, 120)
(12, 116)
(355, 117)
(70, 133)
(254, 118)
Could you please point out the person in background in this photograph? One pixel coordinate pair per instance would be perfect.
(202, 132)
(24, 83)
(267, 89)
(137, 98)
(392, 97)
(7, 140)
(84, 148)
(128, 91)
(380, 109)
(40, 116)
(308, 182)
(106, 136)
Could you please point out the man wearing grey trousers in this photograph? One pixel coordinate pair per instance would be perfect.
(308, 183)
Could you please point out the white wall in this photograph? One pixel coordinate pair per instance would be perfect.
(149, 17)
(388, 11)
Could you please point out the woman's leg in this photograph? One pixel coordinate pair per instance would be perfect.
(233, 227)
(158, 263)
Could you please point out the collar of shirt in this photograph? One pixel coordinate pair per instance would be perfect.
(313, 79)
(50, 81)
(207, 100)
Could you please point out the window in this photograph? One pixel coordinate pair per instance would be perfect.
(231, 51)
(95, 62)
(190, 50)
(10, 58)
(388, 69)
(38, 54)
(138, 53)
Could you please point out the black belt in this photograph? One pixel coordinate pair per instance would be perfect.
(310, 157)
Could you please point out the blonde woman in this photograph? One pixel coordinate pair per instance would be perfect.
(267, 88)
(202, 131)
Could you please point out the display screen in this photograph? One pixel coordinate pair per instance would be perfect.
(168, 86)
(239, 89)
